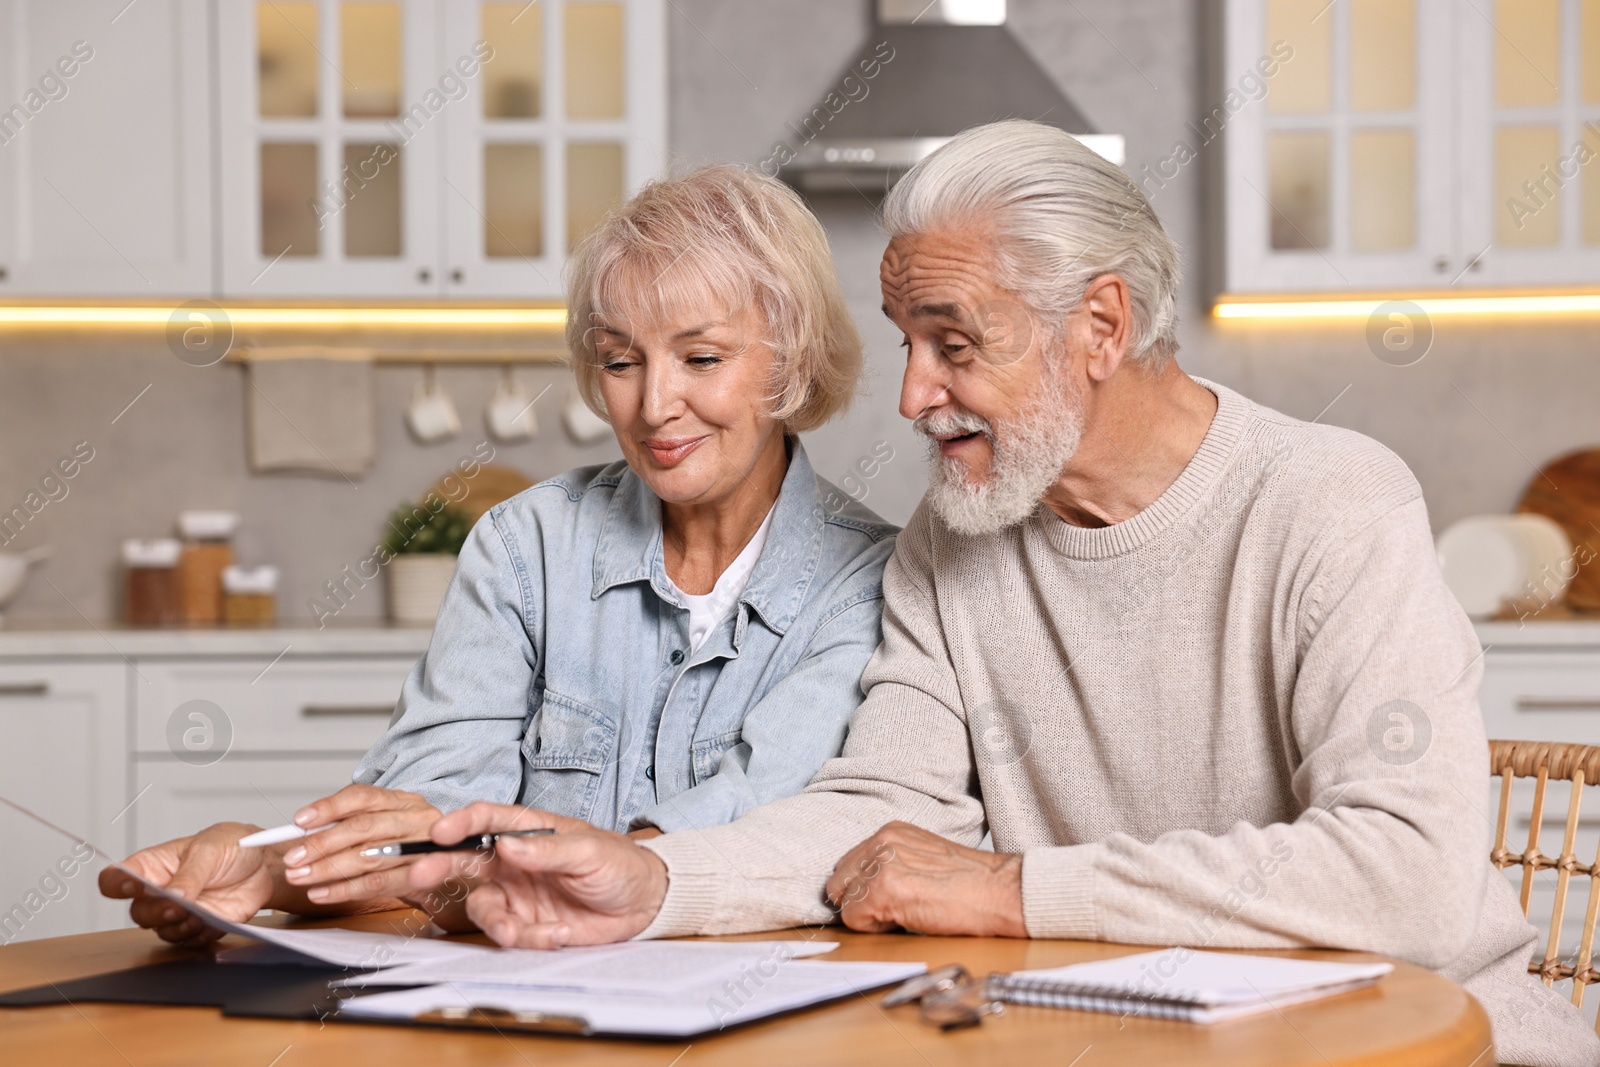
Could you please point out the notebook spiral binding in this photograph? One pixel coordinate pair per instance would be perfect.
(1087, 997)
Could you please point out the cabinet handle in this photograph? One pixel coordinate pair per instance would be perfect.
(321, 711)
(1552, 704)
(24, 689)
(4, 274)
(424, 275)
(458, 275)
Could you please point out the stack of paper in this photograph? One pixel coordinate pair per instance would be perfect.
(631, 967)
(671, 1010)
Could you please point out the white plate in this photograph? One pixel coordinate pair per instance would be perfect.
(1492, 562)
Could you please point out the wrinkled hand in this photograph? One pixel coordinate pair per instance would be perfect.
(904, 877)
(578, 886)
(329, 866)
(209, 869)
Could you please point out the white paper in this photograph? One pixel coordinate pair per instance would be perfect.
(633, 966)
(365, 951)
(681, 1013)
(342, 948)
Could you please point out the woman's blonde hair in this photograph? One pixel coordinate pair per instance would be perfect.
(743, 240)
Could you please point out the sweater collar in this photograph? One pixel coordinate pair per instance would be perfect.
(1203, 471)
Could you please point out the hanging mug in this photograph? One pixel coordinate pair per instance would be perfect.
(431, 415)
(510, 412)
(583, 424)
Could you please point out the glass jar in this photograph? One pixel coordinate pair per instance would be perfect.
(150, 581)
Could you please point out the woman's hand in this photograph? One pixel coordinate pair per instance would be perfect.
(208, 869)
(329, 865)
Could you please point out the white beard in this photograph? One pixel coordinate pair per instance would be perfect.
(1029, 453)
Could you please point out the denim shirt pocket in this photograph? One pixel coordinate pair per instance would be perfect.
(566, 749)
(706, 754)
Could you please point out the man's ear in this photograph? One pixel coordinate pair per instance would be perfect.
(1108, 307)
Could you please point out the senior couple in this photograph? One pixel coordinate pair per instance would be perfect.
(1139, 630)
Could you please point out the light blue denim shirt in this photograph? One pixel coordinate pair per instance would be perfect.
(559, 674)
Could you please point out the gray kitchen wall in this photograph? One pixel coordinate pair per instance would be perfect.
(1473, 418)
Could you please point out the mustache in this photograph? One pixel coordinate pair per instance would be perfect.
(952, 424)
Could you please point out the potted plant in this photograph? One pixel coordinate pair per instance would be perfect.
(419, 550)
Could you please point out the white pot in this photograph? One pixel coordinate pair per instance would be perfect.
(416, 586)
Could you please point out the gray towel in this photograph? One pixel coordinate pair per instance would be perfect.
(309, 412)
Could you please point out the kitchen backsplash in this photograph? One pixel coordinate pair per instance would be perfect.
(1473, 419)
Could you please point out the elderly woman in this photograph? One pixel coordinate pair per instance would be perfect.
(657, 644)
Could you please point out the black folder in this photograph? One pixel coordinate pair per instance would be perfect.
(260, 990)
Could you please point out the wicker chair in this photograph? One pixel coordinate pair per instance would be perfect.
(1580, 765)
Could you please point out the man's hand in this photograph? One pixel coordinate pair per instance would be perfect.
(578, 886)
(329, 866)
(907, 878)
(209, 869)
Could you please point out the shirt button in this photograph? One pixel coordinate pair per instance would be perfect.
(676, 657)
(650, 772)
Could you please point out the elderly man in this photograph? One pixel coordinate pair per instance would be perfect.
(1189, 660)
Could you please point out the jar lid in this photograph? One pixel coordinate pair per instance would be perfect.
(154, 552)
(263, 579)
(208, 525)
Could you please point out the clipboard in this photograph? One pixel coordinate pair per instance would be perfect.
(527, 1022)
(295, 991)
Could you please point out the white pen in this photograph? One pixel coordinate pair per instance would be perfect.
(279, 834)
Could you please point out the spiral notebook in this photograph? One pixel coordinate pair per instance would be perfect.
(1181, 983)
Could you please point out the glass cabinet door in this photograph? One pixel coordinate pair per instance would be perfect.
(331, 129)
(568, 118)
(1335, 159)
(1530, 151)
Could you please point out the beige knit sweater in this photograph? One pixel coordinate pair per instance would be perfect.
(1184, 722)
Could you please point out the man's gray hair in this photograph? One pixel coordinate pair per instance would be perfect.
(1061, 216)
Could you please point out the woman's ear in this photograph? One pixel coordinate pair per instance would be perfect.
(1109, 308)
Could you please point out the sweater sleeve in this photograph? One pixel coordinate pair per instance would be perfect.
(767, 869)
(1392, 782)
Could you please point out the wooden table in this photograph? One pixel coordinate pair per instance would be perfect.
(1412, 1017)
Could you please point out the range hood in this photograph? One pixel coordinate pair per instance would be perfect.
(929, 71)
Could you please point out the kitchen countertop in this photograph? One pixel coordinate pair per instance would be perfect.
(1572, 632)
(82, 640)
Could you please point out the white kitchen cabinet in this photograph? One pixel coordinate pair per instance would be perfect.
(265, 739)
(1390, 144)
(64, 757)
(326, 187)
(133, 737)
(424, 148)
(105, 148)
(336, 705)
(180, 798)
(570, 119)
(1529, 109)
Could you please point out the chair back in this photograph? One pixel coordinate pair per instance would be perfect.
(1544, 761)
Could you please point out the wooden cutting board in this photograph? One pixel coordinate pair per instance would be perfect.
(492, 484)
(1568, 491)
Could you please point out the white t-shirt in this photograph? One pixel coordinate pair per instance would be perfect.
(707, 610)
